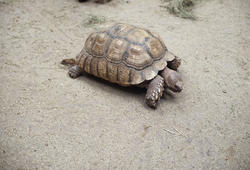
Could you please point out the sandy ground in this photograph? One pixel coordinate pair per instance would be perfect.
(49, 121)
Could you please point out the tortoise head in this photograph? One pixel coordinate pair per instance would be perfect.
(173, 80)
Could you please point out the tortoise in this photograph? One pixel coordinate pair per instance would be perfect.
(129, 56)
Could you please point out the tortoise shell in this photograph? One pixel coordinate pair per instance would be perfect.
(123, 54)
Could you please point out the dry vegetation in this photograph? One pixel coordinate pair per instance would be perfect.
(94, 20)
(181, 8)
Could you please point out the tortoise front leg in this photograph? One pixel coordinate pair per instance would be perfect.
(75, 71)
(154, 91)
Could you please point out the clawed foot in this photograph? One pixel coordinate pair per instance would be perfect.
(154, 92)
(75, 71)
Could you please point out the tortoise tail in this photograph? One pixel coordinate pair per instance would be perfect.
(70, 61)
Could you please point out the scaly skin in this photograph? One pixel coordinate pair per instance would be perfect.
(170, 79)
(154, 91)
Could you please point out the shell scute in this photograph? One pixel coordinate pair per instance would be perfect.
(155, 48)
(87, 64)
(116, 50)
(137, 57)
(90, 42)
(94, 66)
(112, 72)
(98, 48)
(136, 77)
(102, 68)
(138, 36)
(124, 54)
(123, 74)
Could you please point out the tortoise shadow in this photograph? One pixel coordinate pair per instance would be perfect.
(128, 89)
(139, 92)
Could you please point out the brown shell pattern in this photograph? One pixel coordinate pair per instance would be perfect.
(124, 54)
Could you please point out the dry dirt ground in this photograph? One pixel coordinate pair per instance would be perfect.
(49, 121)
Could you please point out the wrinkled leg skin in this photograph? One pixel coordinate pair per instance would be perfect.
(154, 91)
(75, 71)
(175, 63)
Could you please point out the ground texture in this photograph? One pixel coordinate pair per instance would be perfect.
(49, 121)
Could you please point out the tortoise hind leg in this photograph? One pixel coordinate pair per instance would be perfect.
(75, 71)
(154, 91)
(175, 63)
